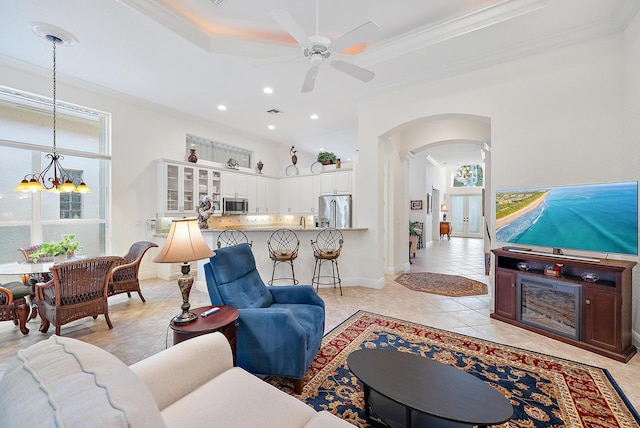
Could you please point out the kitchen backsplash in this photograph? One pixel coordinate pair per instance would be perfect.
(244, 222)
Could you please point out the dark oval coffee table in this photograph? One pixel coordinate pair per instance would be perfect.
(407, 390)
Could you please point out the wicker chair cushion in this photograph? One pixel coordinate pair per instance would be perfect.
(18, 290)
(69, 383)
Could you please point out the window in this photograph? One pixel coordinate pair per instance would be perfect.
(71, 203)
(468, 176)
(218, 152)
(26, 131)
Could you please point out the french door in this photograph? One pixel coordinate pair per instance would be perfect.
(466, 216)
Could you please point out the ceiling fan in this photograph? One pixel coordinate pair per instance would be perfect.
(317, 49)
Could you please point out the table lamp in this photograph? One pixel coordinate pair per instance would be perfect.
(184, 244)
(444, 210)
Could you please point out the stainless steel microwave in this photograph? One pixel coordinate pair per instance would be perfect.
(235, 206)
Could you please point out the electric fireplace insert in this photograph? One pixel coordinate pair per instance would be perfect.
(549, 304)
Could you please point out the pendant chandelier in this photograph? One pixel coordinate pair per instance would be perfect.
(54, 177)
(464, 172)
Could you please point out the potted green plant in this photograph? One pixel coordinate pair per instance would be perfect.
(412, 229)
(65, 247)
(326, 158)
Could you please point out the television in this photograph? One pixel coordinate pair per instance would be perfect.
(593, 217)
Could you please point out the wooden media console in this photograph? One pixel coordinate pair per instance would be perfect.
(602, 311)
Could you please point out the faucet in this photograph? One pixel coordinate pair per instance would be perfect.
(303, 221)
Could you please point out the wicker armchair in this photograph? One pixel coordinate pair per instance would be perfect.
(13, 305)
(36, 277)
(124, 277)
(78, 289)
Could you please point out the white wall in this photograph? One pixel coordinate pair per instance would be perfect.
(423, 177)
(631, 133)
(556, 118)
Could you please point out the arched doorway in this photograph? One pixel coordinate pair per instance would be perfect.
(398, 147)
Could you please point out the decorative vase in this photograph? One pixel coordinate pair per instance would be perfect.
(260, 165)
(193, 158)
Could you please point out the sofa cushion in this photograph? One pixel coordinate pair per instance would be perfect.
(237, 398)
(64, 382)
(325, 419)
(18, 290)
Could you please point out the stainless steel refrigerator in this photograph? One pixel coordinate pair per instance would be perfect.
(334, 211)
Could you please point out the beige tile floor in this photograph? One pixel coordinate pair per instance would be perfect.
(141, 329)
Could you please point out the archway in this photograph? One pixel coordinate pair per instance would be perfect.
(397, 147)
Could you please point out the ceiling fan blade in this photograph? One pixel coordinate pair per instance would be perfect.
(287, 22)
(310, 79)
(353, 70)
(361, 34)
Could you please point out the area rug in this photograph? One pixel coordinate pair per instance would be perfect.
(544, 391)
(439, 283)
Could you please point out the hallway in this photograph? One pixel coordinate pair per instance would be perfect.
(459, 256)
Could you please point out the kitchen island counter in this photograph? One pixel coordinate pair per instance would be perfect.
(274, 228)
(303, 265)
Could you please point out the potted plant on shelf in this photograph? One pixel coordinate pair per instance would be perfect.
(326, 158)
(66, 247)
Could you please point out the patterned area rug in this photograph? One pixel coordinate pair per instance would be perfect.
(439, 283)
(544, 391)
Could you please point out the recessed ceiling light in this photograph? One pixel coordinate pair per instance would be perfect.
(268, 90)
(271, 127)
(314, 116)
(222, 107)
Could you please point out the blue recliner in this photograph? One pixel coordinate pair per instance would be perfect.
(280, 328)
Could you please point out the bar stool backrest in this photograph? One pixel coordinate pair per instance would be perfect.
(231, 237)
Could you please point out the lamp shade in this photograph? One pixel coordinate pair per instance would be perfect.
(184, 243)
(443, 208)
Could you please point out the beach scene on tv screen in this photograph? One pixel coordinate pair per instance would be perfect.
(594, 217)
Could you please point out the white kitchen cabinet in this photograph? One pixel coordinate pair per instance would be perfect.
(177, 192)
(252, 193)
(335, 183)
(272, 195)
(285, 187)
(297, 195)
(267, 199)
(234, 185)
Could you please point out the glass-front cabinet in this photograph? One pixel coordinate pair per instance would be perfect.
(209, 185)
(181, 187)
(177, 192)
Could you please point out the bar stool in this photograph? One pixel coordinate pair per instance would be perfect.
(230, 237)
(326, 248)
(283, 248)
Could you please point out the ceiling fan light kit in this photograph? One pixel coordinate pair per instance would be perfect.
(317, 49)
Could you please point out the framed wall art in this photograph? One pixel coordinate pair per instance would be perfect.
(416, 205)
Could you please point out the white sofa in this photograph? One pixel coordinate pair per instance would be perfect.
(64, 382)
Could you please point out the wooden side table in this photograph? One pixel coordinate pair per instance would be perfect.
(445, 229)
(225, 321)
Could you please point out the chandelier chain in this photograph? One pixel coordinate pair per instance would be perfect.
(54, 39)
